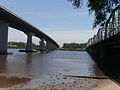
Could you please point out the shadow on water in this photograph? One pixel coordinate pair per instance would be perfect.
(108, 59)
(112, 63)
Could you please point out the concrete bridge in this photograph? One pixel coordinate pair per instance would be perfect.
(104, 47)
(9, 19)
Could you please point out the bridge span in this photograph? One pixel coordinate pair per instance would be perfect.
(8, 18)
(104, 47)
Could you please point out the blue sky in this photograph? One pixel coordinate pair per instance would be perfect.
(56, 18)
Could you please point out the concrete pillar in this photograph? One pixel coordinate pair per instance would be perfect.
(29, 46)
(3, 37)
(42, 44)
(50, 46)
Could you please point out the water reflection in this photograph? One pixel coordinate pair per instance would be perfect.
(40, 64)
(28, 59)
(3, 61)
(11, 81)
(28, 62)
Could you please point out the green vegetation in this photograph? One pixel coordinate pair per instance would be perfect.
(73, 46)
(20, 45)
(100, 8)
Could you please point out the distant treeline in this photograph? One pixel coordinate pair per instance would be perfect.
(74, 46)
(19, 45)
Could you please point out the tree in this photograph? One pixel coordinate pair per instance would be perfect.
(100, 8)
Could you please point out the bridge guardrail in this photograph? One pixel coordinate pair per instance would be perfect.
(110, 28)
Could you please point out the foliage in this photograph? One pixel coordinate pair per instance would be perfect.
(74, 46)
(101, 9)
(16, 45)
(76, 3)
(20, 45)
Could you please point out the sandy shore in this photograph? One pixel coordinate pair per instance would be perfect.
(60, 82)
(83, 84)
(106, 85)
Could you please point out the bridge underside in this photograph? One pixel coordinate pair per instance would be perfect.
(22, 25)
(107, 54)
(7, 18)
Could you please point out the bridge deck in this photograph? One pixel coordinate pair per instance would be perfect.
(22, 25)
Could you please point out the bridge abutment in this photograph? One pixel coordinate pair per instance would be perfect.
(3, 37)
(50, 46)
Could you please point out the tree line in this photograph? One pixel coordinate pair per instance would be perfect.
(74, 46)
(20, 45)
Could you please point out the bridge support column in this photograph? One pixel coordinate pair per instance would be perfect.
(3, 37)
(42, 45)
(29, 46)
(50, 46)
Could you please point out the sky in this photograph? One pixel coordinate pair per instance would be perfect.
(56, 18)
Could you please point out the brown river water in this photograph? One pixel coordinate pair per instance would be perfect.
(34, 69)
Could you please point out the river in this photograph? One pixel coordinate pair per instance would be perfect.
(29, 68)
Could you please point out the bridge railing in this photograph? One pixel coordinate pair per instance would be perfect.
(114, 31)
(97, 38)
(111, 28)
